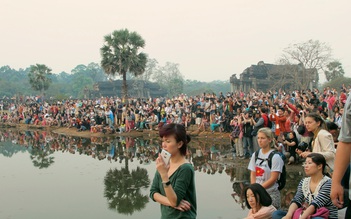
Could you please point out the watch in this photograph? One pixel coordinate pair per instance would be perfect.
(166, 184)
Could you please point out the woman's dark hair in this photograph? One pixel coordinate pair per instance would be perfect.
(331, 125)
(294, 134)
(318, 159)
(316, 117)
(260, 194)
(179, 133)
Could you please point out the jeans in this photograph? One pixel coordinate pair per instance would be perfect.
(213, 126)
(247, 144)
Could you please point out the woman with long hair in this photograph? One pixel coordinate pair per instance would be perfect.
(312, 199)
(259, 202)
(322, 141)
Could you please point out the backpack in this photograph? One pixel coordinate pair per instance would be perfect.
(270, 124)
(282, 179)
(267, 122)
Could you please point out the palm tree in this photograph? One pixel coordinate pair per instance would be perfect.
(120, 54)
(39, 77)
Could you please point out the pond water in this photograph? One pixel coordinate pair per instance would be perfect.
(46, 175)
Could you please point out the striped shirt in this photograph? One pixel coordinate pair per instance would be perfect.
(320, 198)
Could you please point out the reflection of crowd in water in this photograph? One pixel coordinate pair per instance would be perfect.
(205, 157)
(111, 149)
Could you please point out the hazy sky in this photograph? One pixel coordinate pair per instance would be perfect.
(210, 40)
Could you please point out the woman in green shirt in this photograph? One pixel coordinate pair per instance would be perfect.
(174, 183)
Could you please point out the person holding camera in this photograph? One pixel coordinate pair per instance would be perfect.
(247, 123)
(279, 119)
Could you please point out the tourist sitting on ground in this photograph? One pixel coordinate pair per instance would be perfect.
(291, 143)
(259, 202)
(187, 121)
(177, 119)
(204, 123)
(122, 127)
(170, 119)
(334, 131)
(28, 119)
(312, 196)
(142, 121)
(153, 121)
(36, 119)
(84, 124)
(106, 129)
(162, 122)
(216, 122)
(72, 122)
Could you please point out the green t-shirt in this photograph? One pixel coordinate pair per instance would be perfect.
(183, 184)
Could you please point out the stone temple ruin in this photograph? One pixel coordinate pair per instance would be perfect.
(272, 77)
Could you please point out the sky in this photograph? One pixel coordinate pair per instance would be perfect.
(210, 40)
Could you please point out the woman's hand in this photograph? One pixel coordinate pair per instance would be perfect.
(183, 206)
(305, 154)
(162, 168)
(299, 152)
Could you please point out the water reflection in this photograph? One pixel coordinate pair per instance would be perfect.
(126, 189)
(122, 189)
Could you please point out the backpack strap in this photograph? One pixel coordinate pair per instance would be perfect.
(269, 159)
(256, 156)
(270, 156)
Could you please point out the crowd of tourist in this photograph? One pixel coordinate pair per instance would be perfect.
(239, 114)
(298, 124)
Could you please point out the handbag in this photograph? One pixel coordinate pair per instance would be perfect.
(322, 212)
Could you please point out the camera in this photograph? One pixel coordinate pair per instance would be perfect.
(302, 146)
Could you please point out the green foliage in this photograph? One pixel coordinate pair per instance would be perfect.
(39, 77)
(64, 85)
(169, 78)
(120, 54)
(194, 87)
(15, 82)
(337, 82)
(334, 70)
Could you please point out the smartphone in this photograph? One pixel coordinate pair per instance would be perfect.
(165, 156)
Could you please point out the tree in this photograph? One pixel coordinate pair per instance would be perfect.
(120, 54)
(313, 55)
(337, 82)
(334, 70)
(170, 78)
(39, 77)
(92, 70)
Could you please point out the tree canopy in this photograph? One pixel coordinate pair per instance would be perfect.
(334, 70)
(121, 54)
(39, 77)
